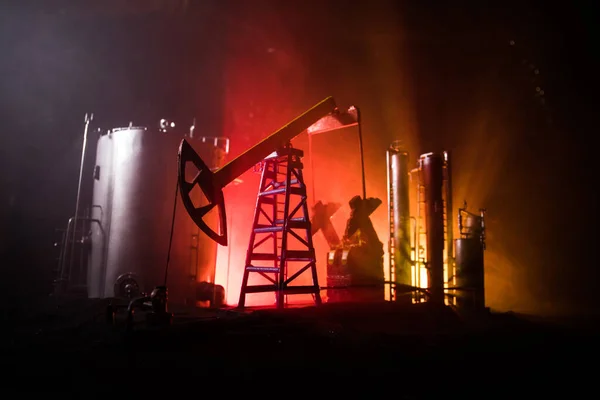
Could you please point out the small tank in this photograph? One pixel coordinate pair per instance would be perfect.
(134, 192)
(470, 273)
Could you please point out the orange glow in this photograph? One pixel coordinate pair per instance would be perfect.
(263, 80)
(393, 118)
(265, 87)
(475, 179)
(239, 202)
(419, 240)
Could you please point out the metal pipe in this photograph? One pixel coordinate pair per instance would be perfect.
(64, 250)
(88, 119)
(390, 236)
(418, 235)
(449, 237)
(414, 258)
(229, 256)
(449, 208)
(71, 244)
(407, 288)
(362, 158)
(312, 169)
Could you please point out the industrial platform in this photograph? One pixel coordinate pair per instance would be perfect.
(376, 349)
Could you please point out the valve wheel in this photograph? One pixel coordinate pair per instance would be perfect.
(126, 286)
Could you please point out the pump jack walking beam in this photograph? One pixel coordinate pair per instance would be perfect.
(212, 183)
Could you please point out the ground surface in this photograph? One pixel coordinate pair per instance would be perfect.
(380, 350)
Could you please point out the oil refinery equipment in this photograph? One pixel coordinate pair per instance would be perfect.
(281, 213)
(399, 245)
(435, 221)
(422, 248)
(355, 263)
(355, 269)
(130, 240)
(281, 216)
(127, 226)
(470, 247)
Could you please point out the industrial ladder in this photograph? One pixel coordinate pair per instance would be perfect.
(447, 215)
(281, 232)
(391, 247)
(421, 256)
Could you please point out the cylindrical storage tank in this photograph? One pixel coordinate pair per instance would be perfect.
(135, 182)
(399, 175)
(469, 273)
(432, 178)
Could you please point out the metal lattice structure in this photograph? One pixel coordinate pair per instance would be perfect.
(281, 247)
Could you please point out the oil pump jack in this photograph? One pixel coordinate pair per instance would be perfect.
(281, 247)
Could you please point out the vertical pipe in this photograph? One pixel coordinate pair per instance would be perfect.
(449, 221)
(432, 175)
(390, 228)
(362, 156)
(88, 119)
(231, 215)
(418, 235)
(400, 182)
(312, 169)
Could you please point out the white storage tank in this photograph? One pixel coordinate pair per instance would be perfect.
(135, 180)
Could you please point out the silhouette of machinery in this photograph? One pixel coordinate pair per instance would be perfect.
(280, 247)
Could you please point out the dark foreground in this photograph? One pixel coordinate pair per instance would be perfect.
(375, 350)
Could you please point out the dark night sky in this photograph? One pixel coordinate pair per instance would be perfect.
(141, 66)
